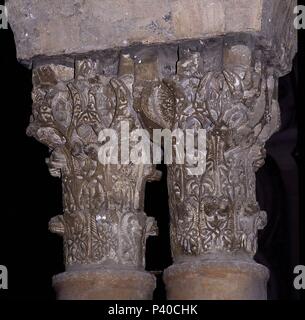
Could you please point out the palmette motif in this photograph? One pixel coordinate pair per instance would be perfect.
(103, 221)
(217, 210)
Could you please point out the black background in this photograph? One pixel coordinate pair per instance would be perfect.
(30, 196)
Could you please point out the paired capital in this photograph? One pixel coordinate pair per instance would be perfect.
(177, 64)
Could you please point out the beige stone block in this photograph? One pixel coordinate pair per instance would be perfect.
(104, 285)
(216, 280)
(57, 27)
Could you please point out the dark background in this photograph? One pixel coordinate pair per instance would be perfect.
(30, 196)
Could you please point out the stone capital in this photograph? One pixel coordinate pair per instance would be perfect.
(103, 224)
(176, 64)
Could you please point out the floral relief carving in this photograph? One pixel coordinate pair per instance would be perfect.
(103, 221)
(217, 210)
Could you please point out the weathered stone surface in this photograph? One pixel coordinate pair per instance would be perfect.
(216, 280)
(57, 27)
(104, 221)
(211, 64)
(103, 224)
(235, 102)
(230, 90)
(104, 285)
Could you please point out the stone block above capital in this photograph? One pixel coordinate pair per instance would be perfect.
(62, 27)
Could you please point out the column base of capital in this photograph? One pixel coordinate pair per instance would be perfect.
(216, 280)
(104, 285)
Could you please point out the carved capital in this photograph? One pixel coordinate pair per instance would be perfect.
(175, 64)
(103, 222)
(234, 98)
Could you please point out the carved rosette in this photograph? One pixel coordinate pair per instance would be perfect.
(215, 212)
(103, 222)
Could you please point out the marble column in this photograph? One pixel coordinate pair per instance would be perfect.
(178, 64)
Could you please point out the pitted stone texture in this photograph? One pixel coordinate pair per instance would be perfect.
(57, 27)
(104, 285)
(216, 280)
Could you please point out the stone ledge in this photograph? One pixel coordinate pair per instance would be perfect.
(59, 27)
